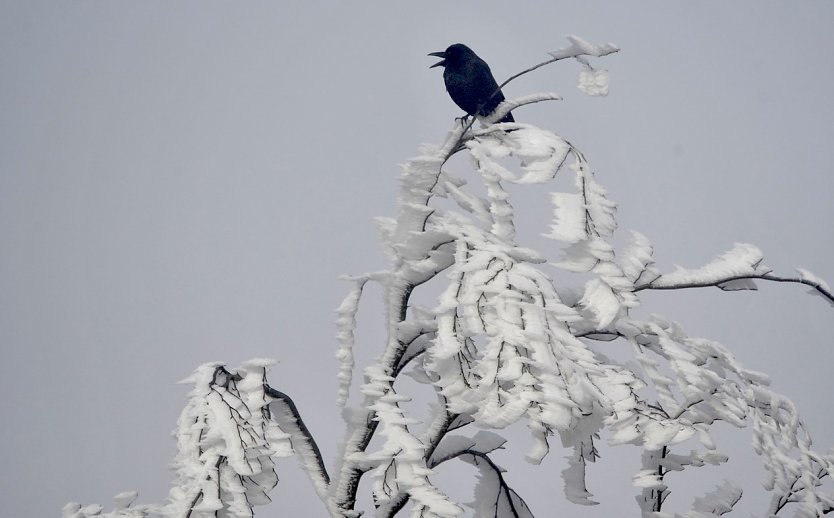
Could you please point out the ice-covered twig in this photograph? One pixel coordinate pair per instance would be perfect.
(795, 493)
(507, 106)
(661, 284)
(578, 47)
(122, 508)
(345, 325)
(733, 270)
(805, 278)
(431, 438)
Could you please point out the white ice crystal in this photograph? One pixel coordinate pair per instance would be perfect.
(593, 82)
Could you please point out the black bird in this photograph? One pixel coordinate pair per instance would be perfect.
(469, 81)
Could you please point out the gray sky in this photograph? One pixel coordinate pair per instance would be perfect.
(184, 182)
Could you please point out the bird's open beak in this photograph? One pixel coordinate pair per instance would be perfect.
(441, 63)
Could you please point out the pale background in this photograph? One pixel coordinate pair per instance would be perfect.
(183, 182)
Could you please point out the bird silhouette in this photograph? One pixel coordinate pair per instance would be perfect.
(469, 81)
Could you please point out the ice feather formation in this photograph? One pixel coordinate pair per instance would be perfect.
(226, 443)
(591, 81)
(742, 262)
(579, 47)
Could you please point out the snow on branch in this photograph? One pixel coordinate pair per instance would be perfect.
(591, 81)
(507, 106)
(742, 262)
(345, 325)
(399, 466)
(226, 442)
(734, 270)
(122, 508)
(579, 47)
(699, 382)
(819, 286)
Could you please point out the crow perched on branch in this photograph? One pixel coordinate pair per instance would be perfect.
(469, 81)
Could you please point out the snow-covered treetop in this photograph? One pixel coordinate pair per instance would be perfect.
(500, 343)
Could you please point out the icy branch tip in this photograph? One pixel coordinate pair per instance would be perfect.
(259, 363)
(580, 47)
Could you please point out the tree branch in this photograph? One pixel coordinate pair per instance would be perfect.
(819, 287)
(794, 492)
(343, 497)
(289, 418)
(439, 428)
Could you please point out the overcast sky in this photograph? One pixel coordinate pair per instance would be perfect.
(183, 182)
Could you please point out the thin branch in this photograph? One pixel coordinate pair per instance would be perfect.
(794, 492)
(526, 71)
(543, 63)
(821, 289)
(534, 67)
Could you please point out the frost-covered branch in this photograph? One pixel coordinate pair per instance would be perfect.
(734, 270)
(493, 495)
(285, 412)
(577, 49)
(502, 344)
(796, 491)
(226, 444)
(436, 431)
(807, 279)
(122, 508)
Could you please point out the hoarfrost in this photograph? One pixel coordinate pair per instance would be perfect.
(743, 260)
(593, 82)
(580, 47)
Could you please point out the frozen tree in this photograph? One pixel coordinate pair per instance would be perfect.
(503, 342)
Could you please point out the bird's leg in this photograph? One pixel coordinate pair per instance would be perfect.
(463, 120)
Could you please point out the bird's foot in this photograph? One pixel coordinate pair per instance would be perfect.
(463, 120)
